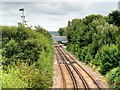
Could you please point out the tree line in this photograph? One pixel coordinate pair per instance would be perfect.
(95, 40)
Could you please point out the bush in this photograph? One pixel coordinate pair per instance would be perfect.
(21, 75)
(114, 78)
(26, 51)
(108, 58)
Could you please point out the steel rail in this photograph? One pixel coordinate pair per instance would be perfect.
(70, 72)
(82, 68)
(78, 73)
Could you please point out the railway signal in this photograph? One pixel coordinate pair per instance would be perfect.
(23, 16)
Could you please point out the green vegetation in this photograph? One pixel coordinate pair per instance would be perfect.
(114, 78)
(27, 57)
(114, 18)
(62, 31)
(95, 41)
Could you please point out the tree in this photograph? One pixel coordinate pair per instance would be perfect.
(114, 18)
(62, 31)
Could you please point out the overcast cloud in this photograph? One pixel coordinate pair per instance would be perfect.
(52, 15)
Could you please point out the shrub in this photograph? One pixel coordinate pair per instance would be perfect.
(27, 56)
(113, 78)
(108, 58)
(21, 75)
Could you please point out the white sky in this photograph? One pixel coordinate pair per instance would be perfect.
(52, 14)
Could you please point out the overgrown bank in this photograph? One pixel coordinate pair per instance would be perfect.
(95, 40)
(27, 57)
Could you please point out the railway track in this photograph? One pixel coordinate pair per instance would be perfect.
(63, 81)
(74, 69)
(68, 69)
